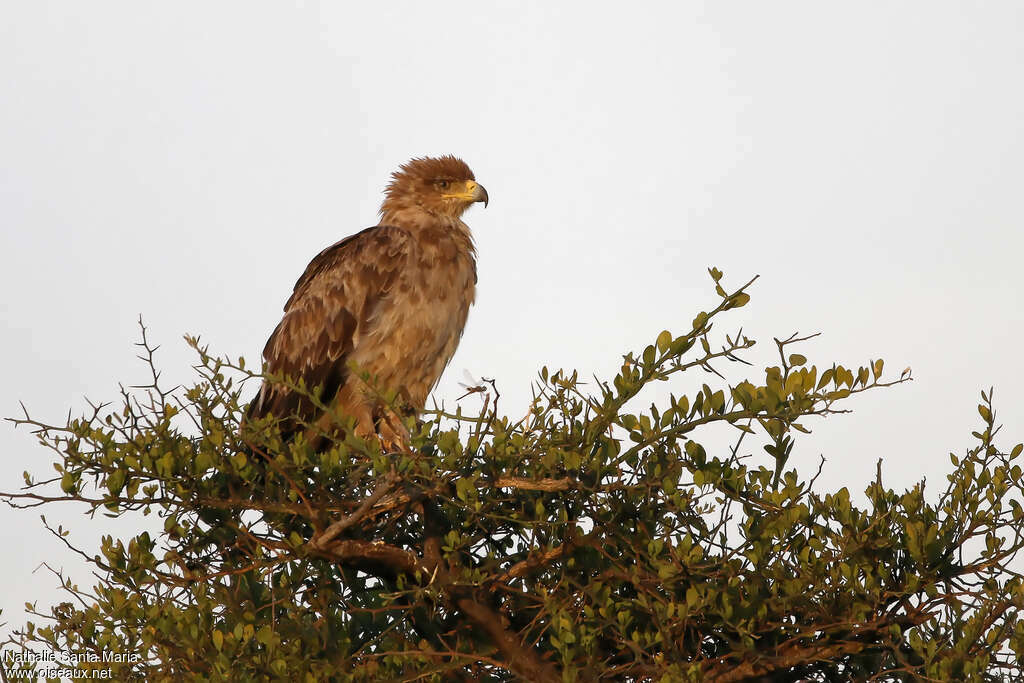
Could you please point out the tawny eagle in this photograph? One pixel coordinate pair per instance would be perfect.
(390, 301)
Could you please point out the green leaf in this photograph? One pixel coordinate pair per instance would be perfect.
(202, 463)
(648, 355)
(115, 482)
(265, 635)
(664, 339)
(739, 300)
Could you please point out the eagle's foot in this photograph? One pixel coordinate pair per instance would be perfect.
(394, 437)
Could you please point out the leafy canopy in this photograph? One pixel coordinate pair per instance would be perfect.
(585, 541)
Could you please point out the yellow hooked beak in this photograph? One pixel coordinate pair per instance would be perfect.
(473, 192)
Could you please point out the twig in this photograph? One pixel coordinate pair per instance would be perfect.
(320, 541)
(532, 484)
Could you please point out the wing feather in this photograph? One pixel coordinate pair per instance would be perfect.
(330, 308)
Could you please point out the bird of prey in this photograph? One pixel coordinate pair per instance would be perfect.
(390, 301)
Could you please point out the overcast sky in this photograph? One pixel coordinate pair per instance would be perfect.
(184, 161)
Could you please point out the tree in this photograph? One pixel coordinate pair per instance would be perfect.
(586, 541)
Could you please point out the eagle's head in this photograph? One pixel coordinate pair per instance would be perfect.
(440, 186)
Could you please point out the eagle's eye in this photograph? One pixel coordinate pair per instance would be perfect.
(443, 184)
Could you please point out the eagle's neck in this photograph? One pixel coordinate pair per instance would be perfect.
(423, 224)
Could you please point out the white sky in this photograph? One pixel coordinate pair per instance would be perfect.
(185, 161)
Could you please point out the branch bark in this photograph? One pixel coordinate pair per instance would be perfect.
(388, 561)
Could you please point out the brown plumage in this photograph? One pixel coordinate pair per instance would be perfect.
(391, 300)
